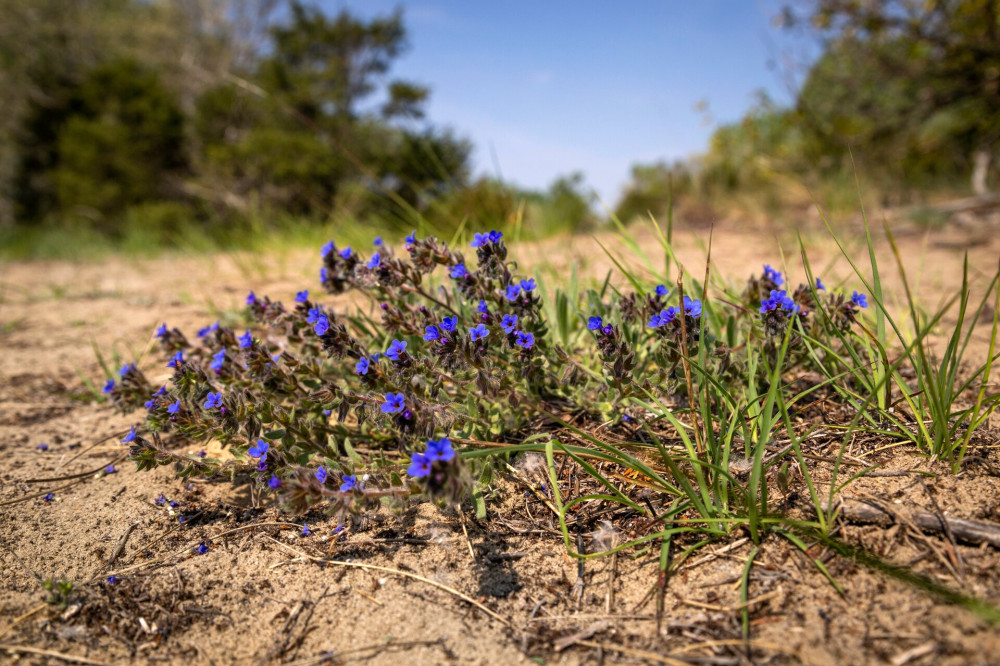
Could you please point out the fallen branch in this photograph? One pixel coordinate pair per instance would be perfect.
(870, 512)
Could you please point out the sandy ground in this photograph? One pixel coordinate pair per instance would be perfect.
(254, 598)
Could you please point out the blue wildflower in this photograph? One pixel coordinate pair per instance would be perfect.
(202, 332)
(202, 548)
(595, 323)
(322, 325)
(110, 469)
(349, 483)
(661, 290)
(218, 360)
(378, 242)
(394, 402)
(495, 236)
(449, 324)
(773, 275)
(479, 332)
(481, 308)
(328, 248)
(374, 261)
(779, 299)
(439, 449)
(302, 296)
(162, 391)
(396, 349)
(346, 253)
(274, 482)
(150, 404)
(130, 437)
(412, 238)
(125, 369)
(361, 367)
(819, 285)
(458, 271)
(161, 332)
(525, 339)
(259, 450)
(432, 333)
(246, 340)
(251, 298)
(161, 500)
(306, 531)
(321, 475)
(42, 447)
(665, 317)
(111, 580)
(323, 274)
(109, 386)
(861, 300)
(213, 400)
(692, 306)
(512, 292)
(509, 323)
(420, 466)
(49, 497)
(313, 315)
(528, 285)
(479, 240)
(174, 408)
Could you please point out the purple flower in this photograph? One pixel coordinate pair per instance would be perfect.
(432, 333)
(774, 275)
(259, 450)
(176, 361)
(458, 271)
(273, 482)
(161, 500)
(150, 404)
(161, 332)
(162, 391)
(322, 325)
(661, 290)
(302, 296)
(449, 324)
(110, 469)
(43, 446)
(49, 497)
(251, 299)
(664, 318)
(692, 307)
(306, 531)
(109, 386)
(346, 253)
(349, 484)
(174, 408)
(481, 308)
(396, 349)
(323, 274)
(525, 339)
(394, 402)
(479, 240)
(819, 285)
(595, 323)
(361, 367)
(213, 400)
(378, 242)
(860, 300)
(374, 261)
(479, 332)
(608, 330)
(218, 360)
(439, 449)
(321, 475)
(246, 340)
(412, 238)
(125, 369)
(509, 323)
(112, 580)
(313, 315)
(528, 285)
(495, 236)
(512, 292)
(202, 332)
(420, 466)
(779, 299)
(202, 548)
(130, 437)
(328, 248)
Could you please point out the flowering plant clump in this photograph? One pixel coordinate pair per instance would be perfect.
(318, 405)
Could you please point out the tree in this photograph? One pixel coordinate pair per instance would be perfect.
(915, 75)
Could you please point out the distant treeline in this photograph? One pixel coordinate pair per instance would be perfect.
(905, 96)
(205, 113)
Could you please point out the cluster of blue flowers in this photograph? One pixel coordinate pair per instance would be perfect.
(437, 449)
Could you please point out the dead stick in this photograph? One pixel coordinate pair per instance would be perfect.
(868, 512)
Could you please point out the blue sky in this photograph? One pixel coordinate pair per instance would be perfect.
(554, 87)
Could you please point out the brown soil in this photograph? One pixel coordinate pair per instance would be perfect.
(255, 597)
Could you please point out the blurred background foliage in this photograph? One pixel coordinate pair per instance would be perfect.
(193, 122)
